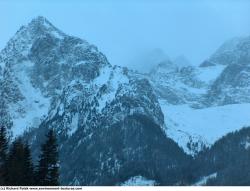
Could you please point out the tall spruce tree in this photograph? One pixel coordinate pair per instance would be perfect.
(28, 167)
(3, 154)
(48, 167)
(19, 165)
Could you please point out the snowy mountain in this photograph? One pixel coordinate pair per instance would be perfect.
(116, 126)
(233, 51)
(107, 118)
(232, 86)
(201, 104)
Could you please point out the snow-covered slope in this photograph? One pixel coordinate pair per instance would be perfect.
(194, 128)
(209, 74)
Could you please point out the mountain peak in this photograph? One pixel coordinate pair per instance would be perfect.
(233, 51)
(27, 35)
(40, 21)
(40, 25)
(37, 27)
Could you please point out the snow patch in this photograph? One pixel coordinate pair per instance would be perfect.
(61, 109)
(80, 63)
(74, 124)
(57, 34)
(183, 87)
(247, 145)
(203, 180)
(113, 79)
(29, 112)
(209, 74)
(103, 77)
(138, 181)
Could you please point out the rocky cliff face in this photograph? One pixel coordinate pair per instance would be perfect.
(36, 65)
(232, 86)
(175, 84)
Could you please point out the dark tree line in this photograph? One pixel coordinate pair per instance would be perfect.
(229, 157)
(16, 165)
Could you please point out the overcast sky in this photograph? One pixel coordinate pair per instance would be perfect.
(125, 29)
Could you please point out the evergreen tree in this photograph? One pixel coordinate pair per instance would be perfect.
(28, 167)
(3, 154)
(19, 165)
(48, 166)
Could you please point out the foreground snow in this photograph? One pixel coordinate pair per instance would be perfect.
(185, 124)
(138, 181)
